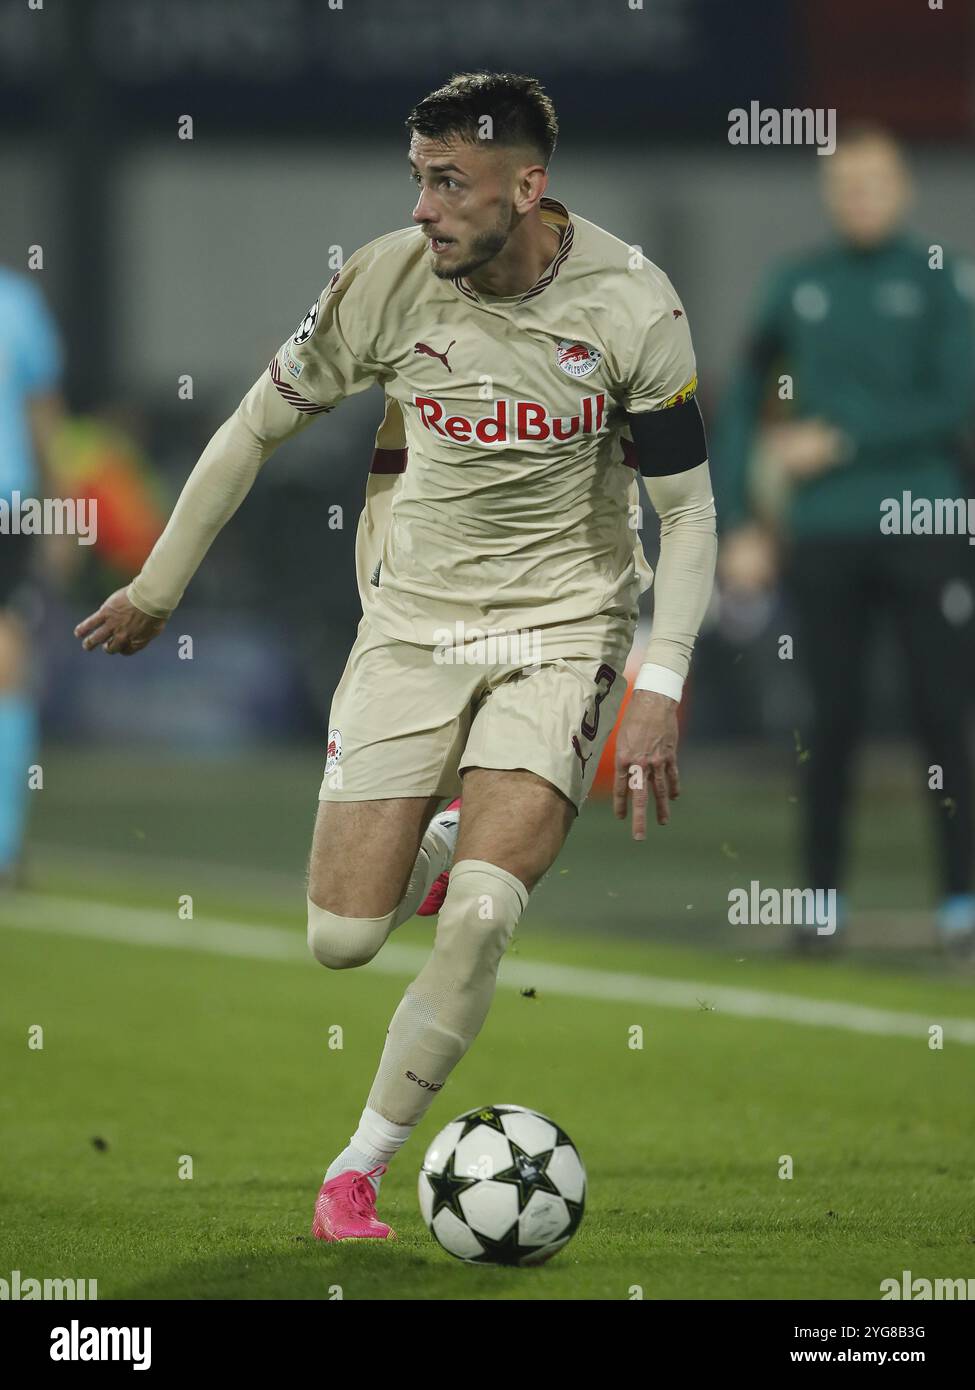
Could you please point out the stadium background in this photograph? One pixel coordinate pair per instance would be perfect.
(165, 257)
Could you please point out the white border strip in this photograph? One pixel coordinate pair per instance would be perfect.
(151, 927)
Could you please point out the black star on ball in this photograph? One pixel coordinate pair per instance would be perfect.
(447, 1188)
(528, 1173)
(489, 1117)
(505, 1251)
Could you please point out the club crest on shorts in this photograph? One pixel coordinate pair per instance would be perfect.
(334, 750)
(575, 358)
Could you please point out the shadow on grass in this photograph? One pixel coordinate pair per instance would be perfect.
(370, 1270)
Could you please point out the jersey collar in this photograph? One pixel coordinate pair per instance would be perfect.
(556, 214)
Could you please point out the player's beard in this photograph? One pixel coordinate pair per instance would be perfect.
(483, 248)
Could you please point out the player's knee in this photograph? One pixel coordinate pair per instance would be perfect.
(477, 921)
(340, 943)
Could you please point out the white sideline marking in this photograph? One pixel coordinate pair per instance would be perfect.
(151, 927)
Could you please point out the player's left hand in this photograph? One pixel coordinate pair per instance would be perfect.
(646, 759)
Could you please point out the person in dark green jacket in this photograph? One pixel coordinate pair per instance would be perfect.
(859, 368)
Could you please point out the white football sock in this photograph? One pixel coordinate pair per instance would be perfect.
(376, 1141)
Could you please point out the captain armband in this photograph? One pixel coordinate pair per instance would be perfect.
(669, 440)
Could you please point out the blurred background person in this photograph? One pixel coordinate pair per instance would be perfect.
(855, 385)
(30, 413)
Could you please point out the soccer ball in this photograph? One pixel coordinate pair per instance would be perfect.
(502, 1185)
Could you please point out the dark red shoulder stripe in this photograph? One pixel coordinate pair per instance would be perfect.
(291, 395)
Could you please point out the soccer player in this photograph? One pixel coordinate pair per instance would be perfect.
(30, 410)
(530, 362)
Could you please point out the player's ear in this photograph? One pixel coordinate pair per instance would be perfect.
(530, 185)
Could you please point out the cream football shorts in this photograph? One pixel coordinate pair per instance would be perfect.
(409, 720)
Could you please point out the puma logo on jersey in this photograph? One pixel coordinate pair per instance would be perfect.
(426, 351)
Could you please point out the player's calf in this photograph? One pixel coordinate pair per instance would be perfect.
(444, 1008)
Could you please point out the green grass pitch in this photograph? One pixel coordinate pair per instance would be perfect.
(152, 1053)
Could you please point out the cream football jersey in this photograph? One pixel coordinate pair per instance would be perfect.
(503, 492)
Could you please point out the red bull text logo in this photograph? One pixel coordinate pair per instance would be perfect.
(512, 422)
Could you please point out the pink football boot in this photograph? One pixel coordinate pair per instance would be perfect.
(346, 1209)
(433, 901)
(445, 825)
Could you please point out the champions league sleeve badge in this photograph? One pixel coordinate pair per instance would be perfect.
(307, 326)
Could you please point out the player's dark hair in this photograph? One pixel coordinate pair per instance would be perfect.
(521, 113)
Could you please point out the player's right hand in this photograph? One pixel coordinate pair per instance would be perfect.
(119, 626)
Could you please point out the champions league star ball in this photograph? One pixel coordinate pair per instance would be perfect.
(502, 1185)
